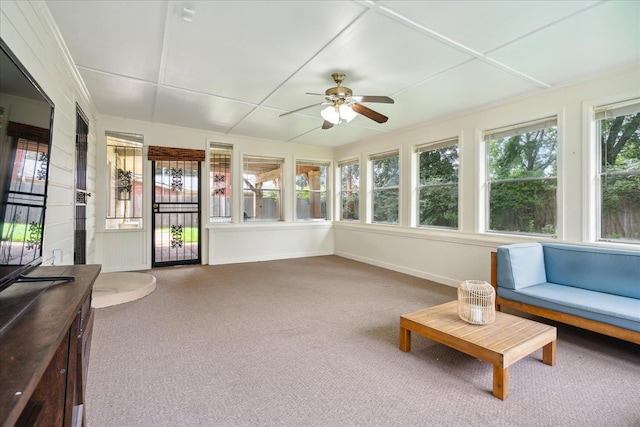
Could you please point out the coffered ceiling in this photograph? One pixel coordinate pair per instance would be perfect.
(235, 66)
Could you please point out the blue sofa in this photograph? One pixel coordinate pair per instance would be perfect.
(590, 287)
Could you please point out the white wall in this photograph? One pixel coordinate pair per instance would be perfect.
(448, 256)
(119, 250)
(28, 30)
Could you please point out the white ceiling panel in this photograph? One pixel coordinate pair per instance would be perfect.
(485, 25)
(601, 38)
(336, 136)
(113, 37)
(188, 109)
(117, 96)
(265, 123)
(379, 56)
(238, 65)
(246, 49)
(469, 86)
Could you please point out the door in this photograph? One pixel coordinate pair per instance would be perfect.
(80, 227)
(176, 212)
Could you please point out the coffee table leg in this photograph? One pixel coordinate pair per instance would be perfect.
(549, 353)
(500, 382)
(405, 339)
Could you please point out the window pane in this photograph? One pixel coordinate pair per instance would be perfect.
(22, 224)
(527, 206)
(522, 184)
(261, 179)
(125, 183)
(620, 178)
(438, 206)
(385, 205)
(311, 191)
(349, 194)
(438, 183)
(386, 179)
(220, 183)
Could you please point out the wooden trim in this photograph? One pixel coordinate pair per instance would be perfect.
(32, 133)
(569, 319)
(180, 154)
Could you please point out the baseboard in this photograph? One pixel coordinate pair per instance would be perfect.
(401, 269)
(270, 257)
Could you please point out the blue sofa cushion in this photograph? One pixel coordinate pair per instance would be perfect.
(611, 309)
(613, 271)
(521, 265)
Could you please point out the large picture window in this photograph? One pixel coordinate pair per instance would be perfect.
(220, 182)
(311, 190)
(522, 178)
(386, 187)
(438, 184)
(618, 133)
(349, 190)
(262, 180)
(124, 180)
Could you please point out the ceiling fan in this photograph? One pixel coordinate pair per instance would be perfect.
(342, 105)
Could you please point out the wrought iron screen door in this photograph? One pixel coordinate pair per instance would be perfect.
(80, 227)
(176, 213)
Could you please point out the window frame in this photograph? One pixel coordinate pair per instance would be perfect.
(373, 189)
(280, 190)
(322, 192)
(418, 151)
(341, 192)
(600, 112)
(223, 149)
(135, 142)
(510, 131)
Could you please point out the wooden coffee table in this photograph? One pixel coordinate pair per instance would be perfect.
(501, 343)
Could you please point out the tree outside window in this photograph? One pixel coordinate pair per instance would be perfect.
(311, 190)
(438, 184)
(618, 130)
(350, 191)
(522, 179)
(262, 177)
(125, 184)
(386, 187)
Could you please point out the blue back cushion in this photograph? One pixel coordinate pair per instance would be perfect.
(520, 265)
(613, 271)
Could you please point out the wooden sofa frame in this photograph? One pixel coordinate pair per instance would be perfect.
(581, 322)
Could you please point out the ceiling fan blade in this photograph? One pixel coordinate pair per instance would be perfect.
(300, 109)
(327, 125)
(368, 112)
(313, 93)
(382, 99)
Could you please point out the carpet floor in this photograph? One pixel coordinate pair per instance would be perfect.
(314, 342)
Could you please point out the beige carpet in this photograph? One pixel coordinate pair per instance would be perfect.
(314, 342)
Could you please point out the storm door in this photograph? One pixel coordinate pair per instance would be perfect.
(80, 226)
(176, 212)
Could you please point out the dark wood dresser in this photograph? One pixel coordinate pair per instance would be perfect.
(45, 338)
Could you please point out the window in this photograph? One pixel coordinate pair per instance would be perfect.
(349, 190)
(618, 132)
(438, 184)
(220, 182)
(262, 177)
(23, 210)
(124, 180)
(522, 177)
(386, 187)
(311, 190)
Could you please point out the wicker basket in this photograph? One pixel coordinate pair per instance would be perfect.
(476, 302)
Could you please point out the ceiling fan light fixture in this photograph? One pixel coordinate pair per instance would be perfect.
(347, 113)
(331, 115)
